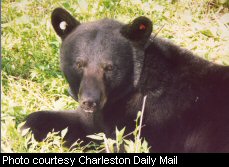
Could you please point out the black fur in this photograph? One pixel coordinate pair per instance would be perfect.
(107, 64)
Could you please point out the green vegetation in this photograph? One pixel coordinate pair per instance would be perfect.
(31, 77)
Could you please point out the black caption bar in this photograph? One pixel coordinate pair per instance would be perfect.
(169, 160)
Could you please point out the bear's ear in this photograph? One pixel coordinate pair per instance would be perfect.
(63, 22)
(138, 30)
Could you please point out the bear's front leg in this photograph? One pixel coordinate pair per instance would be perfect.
(79, 123)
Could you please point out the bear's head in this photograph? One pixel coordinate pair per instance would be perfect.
(101, 60)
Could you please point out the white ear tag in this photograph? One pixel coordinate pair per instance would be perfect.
(63, 25)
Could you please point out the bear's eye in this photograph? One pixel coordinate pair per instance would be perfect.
(80, 65)
(108, 67)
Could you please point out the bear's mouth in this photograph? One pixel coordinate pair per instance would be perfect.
(88, 111)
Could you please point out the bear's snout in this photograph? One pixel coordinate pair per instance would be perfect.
(88, 104)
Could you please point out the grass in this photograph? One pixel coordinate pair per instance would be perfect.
(31, 77)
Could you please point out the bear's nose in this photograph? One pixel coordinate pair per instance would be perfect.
(88, 104)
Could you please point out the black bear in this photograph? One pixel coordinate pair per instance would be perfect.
(111, 66)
